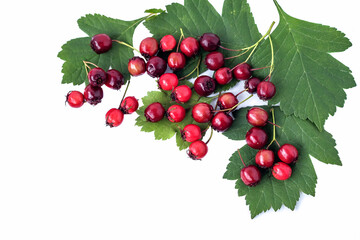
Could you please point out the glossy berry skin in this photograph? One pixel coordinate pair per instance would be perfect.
(257, 117)
(101, 43)
(114, 117)
(75, 99)
(114, 79)
(136, 66)
(251, 84)
(189, 46)
(242, 71)
(167, 43)
(265, 158)
(227, 100)
(250, 175)
(197, 150)
(288, 153)
(154, 112)
(168, 81)
(204, 85)
(223, 75)
(221, 122)
(97, 77)
(266, 90)
(176, 61)
(209, 42)
(191, 133)
(256, 138)
(281, 171)
(93, 95)
(129, 105)
(176, 113)
(214, 60)
(202, 112)
(149, 47)
(156, 66)
(181, 94)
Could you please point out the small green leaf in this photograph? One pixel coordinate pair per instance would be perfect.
(154, 10)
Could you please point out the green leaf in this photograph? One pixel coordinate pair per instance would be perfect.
(154, 10)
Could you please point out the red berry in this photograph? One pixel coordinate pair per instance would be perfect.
(250, 175)
(242, 71)
(97, 77)
(181, 94)
(167, 43)
(156, 66)
(265, 158)
(93, 95)
(221, 122)
(214, 60)
(168, 81)
(197, 150)
(204, 85)
(175, 113)
(136, 66)
(227, 100)
(266, 90)
(129, 105)
(256, 138)
(281, 171)
(189, 46)
(191, 133)
(148, 47)
(154, 112)
(101, 43)
(257, 117)
(251, 84)
(75, 99)
(223, 75)
(176, 61)
(114, 79)
(202, 112)
(209, 42)
(288, 153)
(114, 117)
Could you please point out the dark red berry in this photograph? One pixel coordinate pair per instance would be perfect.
(288, 153)
(197, 150)
(281, 171)
(221, 122)
(93, 95)
(191, 133)
(168, 81)
(214, 60)
(251, 84)
(204, 85)
(256, 138)
(114, 79)
(167, 43)
(265, 158)
(181, 94)
(209, 42)
(223, 75)
(175, 113)
(189, 46)
(149, 47)
(257, 117)
(227, 101)
(176, 61)
(202, 112)
(266, 90)
(114, 117)
(156, 66)
(129, 105)
(97, 77)
(250, 175)
(136, 66)
(75, 99)
(242, 71)
(101, 43)
(154, 112)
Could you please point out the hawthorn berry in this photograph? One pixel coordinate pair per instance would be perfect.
(154, 112)
(250, 175)
(266, 90)
(256, 138)
(114, 117)
(227, 101)
(176, 113)
(204, 85)
(156, 66)
(264, 158)
(167, 43)
(209, 42)
(202, 112)
(181, 94)
(288, 153)
(136, 66)
(93, 94)
(97, 77)
(189, 46)
(197, 150)
(214, 60)
(191, 133)
(242, 71)
(75, 99)
(129, 105)
(114, 79)
(148, 47)
(223, 75)
(281, 171)
(251, 84)
(176, 61)
(221, 122)
(101, 43)
(257, 117)
(168, 81)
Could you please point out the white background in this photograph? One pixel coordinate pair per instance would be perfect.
(64, 175)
